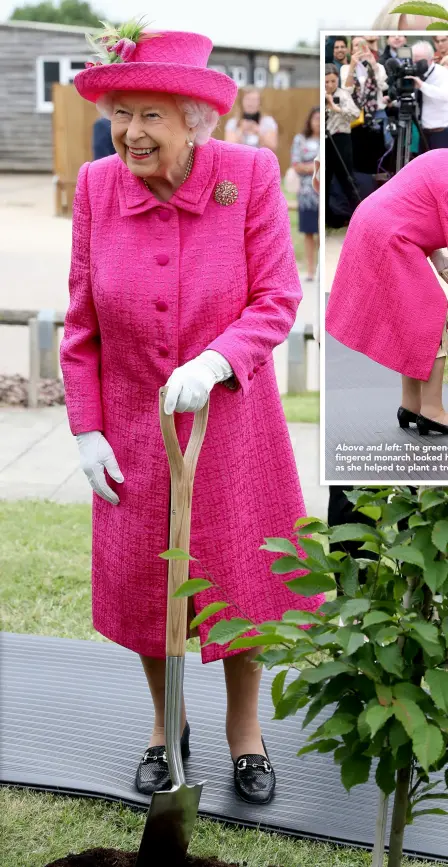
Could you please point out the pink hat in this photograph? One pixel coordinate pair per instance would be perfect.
(162, 61)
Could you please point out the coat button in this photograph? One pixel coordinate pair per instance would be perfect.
(164, 214)
(160, 305)
(256, 368)
(262, 363)
(250, 375)
(164, 351)
(162, 259)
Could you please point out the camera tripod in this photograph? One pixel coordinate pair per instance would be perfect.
(349, 177)
(406, 116)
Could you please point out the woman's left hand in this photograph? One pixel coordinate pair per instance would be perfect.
(190, 385)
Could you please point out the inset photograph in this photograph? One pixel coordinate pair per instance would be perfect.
(385, 259)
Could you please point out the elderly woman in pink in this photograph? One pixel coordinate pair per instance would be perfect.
(386, 301)
(183, 273)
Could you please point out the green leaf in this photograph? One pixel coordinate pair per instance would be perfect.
(339, 724)
(409, 690)
(324, 670)
(311, 584)
(277, 686)
(374, 617)
(396, 511)
(302, 618)
(384, 694)
(406, 554)
(266, 640)
(189, 588)
(311, 528)
(350, 639)
(176, 554)
(348, 578)
(427, 636)
(355, 770)
(304, 523)
(387, 635)
(428, 744)
(315, 549)
(279, 546)
(385, 774)
(227, 630)
(207, 612)
(284, 565)
(440, 536)
(436, 811)
(437, 680)
(397, 736)
(373, 512)
(323, 746)
(390, 659)
(432, 497)
(354, 607)
(435, 575)
(429, 10)
(377, 716)
(436, 26)
(353, 532)
(409, 714)
(417, 521)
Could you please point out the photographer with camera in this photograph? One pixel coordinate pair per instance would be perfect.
(340, 111)
(432, 96)
(250, 126)
(365, 79)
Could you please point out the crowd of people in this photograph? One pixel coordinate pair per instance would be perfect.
(362, 107)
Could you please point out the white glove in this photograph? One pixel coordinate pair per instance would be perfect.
(96, 454)
(190, 385)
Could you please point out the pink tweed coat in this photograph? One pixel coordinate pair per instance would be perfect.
(152, 285)
(386, 301)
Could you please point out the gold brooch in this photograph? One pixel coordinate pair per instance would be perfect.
(226, 193)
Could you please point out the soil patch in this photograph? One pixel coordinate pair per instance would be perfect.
(118, 858)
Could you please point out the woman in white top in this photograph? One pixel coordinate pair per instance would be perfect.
(250, 126)
(365, 79)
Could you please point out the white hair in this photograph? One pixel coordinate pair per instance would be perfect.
(424, 47)
(199, 116)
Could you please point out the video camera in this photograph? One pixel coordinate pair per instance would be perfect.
(402, 88)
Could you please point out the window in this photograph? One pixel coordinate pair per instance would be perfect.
(260, 76)
(282, 79)
(239, 75)
(54, 70)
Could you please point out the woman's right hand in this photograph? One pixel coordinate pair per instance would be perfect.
(97, 455)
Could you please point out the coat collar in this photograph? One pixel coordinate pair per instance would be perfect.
(193, 195)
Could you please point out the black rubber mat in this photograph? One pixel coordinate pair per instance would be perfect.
(76, 716)
(361, 402)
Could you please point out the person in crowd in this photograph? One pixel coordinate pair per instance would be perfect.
(393, 43)
(102, 145)
(305, 149)
(340, 110)
(250, 125)
(373, 44)
(183, 275)
(386, 301)
(433, 87)
(365, 80)
(340, 52)
(441, 48)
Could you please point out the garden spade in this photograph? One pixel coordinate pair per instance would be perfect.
(172, 814)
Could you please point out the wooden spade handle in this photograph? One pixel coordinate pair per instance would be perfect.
(182, 469)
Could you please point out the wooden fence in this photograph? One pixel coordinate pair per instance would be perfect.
(73, 119)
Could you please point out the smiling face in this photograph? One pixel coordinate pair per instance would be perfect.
(149, 133)
(396, 41)
(441, 43)
(331, 82)
(340, 50)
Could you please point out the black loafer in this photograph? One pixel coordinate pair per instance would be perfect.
(152, 773)
(254, 778)
(427, 425)
(406, 416)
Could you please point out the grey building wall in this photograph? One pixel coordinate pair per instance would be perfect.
(26, 133)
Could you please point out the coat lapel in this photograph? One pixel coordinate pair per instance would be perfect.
(193, 195)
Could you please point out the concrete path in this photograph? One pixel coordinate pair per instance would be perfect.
(39, 459)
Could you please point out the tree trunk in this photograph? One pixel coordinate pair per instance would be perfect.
(399, 817)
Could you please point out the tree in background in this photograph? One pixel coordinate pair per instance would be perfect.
(67, 12)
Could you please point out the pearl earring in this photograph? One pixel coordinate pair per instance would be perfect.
(190, 144)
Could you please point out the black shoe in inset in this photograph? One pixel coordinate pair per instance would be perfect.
(152, 773)
(425, 425)
(254, 778)
(405, 416)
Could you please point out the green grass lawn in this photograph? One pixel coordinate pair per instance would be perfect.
(302, 407)
(45, 589)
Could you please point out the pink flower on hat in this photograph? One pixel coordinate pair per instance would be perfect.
(124, 49)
